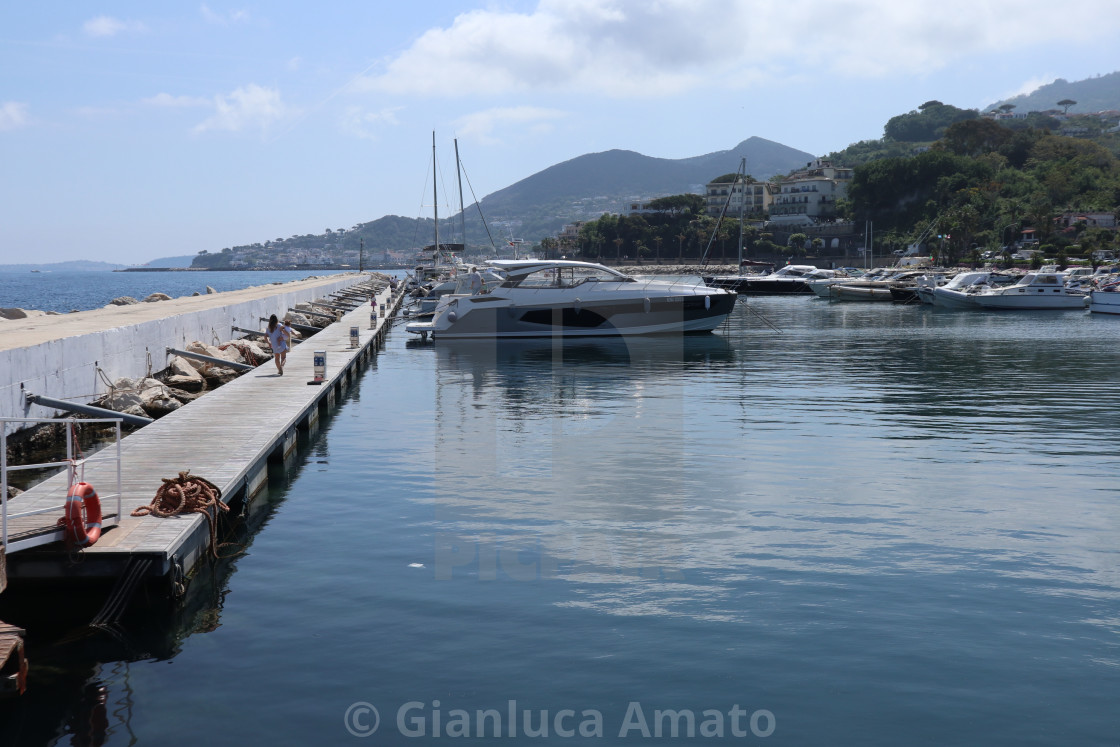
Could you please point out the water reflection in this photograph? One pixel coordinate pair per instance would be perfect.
(661, 478)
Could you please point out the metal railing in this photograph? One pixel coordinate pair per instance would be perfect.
(50, 533)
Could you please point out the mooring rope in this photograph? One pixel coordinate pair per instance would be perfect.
(189, 494)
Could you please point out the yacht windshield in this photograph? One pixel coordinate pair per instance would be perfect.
(565, 277)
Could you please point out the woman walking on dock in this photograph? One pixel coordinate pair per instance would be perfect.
(277, 339)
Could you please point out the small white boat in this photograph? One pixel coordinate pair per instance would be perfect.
(821, 285)
(543, 298)
(1106, 299)
(1035, 291)
(872, 289)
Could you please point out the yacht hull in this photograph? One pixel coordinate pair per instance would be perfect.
(1104, 302)
(478, 317)
(1030, 303)
(954, 299)
(748, 286)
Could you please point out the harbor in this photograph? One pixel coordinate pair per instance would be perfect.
(834, 505)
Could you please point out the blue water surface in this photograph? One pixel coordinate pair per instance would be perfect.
(66, 291)
(865, 524)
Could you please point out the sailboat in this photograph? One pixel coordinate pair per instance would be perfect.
(444, 260)
(788, 279)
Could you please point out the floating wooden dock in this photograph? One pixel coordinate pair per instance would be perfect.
(227, 436)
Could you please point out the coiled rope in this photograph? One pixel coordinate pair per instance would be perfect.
(187, 494)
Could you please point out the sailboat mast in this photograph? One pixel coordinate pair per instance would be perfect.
(742, 205)
(462, 211)
(435, 198)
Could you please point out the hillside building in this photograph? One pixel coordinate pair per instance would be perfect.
(812, 191)
(754, 197)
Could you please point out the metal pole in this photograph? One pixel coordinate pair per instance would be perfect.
(462, 212)
(210, 359)
(435, 198)
(119, 490)
(4, 479)
(97, 412)
(69, 454)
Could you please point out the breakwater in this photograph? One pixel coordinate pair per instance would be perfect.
(75, 357)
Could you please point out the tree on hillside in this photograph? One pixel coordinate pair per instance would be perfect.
(927, 124)
(1006, 108)
(678, 204)
(1066, 104)
(975, 136)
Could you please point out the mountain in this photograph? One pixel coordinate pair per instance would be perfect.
(587, 185)
(582, 188)
(1092, 95)
(79, 265)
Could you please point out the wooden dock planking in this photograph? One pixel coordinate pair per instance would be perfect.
(226, 436)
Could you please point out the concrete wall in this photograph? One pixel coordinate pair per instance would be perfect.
(67, 368)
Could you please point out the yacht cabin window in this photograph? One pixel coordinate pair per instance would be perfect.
(565, 277)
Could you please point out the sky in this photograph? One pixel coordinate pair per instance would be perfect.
(131, 131)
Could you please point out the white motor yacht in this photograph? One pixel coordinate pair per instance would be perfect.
(541, 298)
(960, 290)
(1036, 290)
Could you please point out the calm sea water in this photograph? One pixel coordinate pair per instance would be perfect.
(81, 291)
(879, 525)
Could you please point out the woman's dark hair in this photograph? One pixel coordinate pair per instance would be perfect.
(272, 323)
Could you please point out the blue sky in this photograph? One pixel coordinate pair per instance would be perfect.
(135, 130)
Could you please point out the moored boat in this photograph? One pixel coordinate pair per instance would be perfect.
(1106, 299)
(542, 298)
(784, 280)
(1035, 291)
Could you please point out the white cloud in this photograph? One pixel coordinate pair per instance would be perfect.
(167, 100)
(621, 48)
(223, 19)
(485, 126)
(13, 115)
(294, 64)
(367, 124)
(109, 26)
(248, 107)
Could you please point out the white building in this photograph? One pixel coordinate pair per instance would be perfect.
(756, 195)
(812, 191)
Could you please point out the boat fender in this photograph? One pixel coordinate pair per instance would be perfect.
(646, 304)
(452, 316)
(82, 530)
(578, 305)
(707, 302)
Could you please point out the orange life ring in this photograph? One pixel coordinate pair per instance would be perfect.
(83, 515)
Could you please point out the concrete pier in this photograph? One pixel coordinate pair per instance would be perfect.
(66, 356)
(227, 436)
